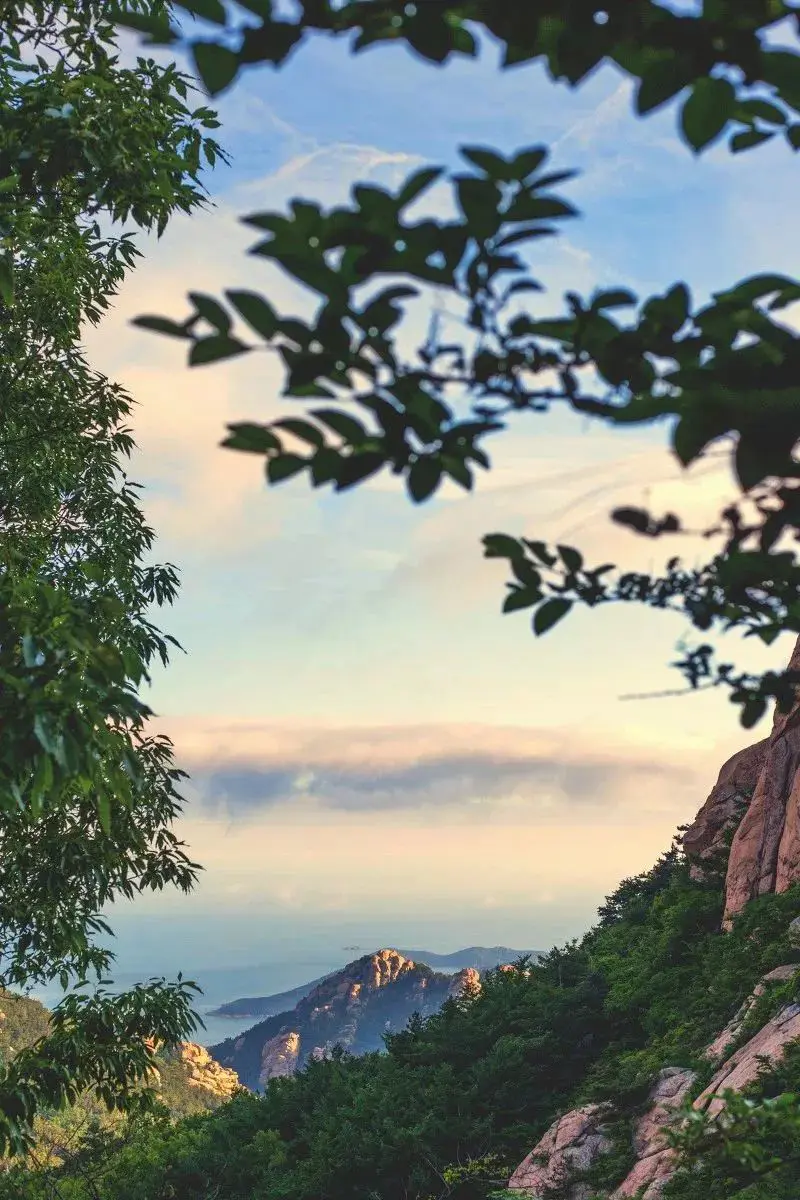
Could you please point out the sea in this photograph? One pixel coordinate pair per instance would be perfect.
(222, 984)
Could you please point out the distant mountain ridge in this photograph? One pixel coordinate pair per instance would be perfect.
(482, 958)
(352, 1008)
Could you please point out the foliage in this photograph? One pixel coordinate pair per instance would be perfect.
(87, 794)
(750, 1152)
(458, 1099)
(724, 372)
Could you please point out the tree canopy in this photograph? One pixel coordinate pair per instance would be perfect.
(87, 794)
(720, 374)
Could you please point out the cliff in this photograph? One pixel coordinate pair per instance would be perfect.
(756, 802)
(352, 1008)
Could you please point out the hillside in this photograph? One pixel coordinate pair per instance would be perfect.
(353, 1008)
(189, 1081)
(482, 958)
(679, 1011)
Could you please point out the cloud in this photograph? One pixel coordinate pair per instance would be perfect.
(241, 770)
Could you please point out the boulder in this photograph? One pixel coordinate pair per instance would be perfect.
(571, 1145)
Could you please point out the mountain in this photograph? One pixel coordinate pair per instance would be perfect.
(482, 958)
(352, 1008)
(564, 1080)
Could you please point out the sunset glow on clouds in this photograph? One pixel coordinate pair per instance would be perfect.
(368, 737)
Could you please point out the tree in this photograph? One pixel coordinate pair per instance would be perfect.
(87, 794)
(725, 373)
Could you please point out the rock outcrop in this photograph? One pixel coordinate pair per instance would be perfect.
(570, 1147)
(279, 1057)
(578, 1139)
(353, 1008)
(655, 1160)
(705, 838)
(744, 1065)
(732, 1030)
(465, 983)
(765, 852)
(204, 1072)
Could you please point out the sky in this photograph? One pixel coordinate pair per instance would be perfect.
(377, 756)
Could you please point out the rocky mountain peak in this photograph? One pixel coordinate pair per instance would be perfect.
(354, 1009)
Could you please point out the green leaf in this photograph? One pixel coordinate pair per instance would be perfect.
(256, 311)
(480, 203)
(793, 136)
(549, 614)
(540, 551)
(571, 558)
(500, 545)
(749, 138)
(528, 161)
(104, 811)
(347, 427)
(755, 288)
(707, 111)
(521, 597)
(752, 464)
(486, 160)
(530, 207)
(416, 184)
(752, 711)
(303, 430)
(661, 81)
(251, 438)
(215, 349)
(618, 298)
(325, 466)
(358, 467)
(211, 310)
(423, 478)
(209, 10)
(781, 68)
(285, 466)
(761, 110)
(216, 65)
(162, 325)
(6, 278)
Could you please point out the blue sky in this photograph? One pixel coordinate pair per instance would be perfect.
(374, 749)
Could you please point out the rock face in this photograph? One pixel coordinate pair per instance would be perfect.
(465, 983)
(765, 853)
(202, 1071)
(743, 1067)
(571, 1145)
(732, 1030)
(737, 781)
(279, 1057)
(576, 1140)
(353, 1008)
(655, 1161)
